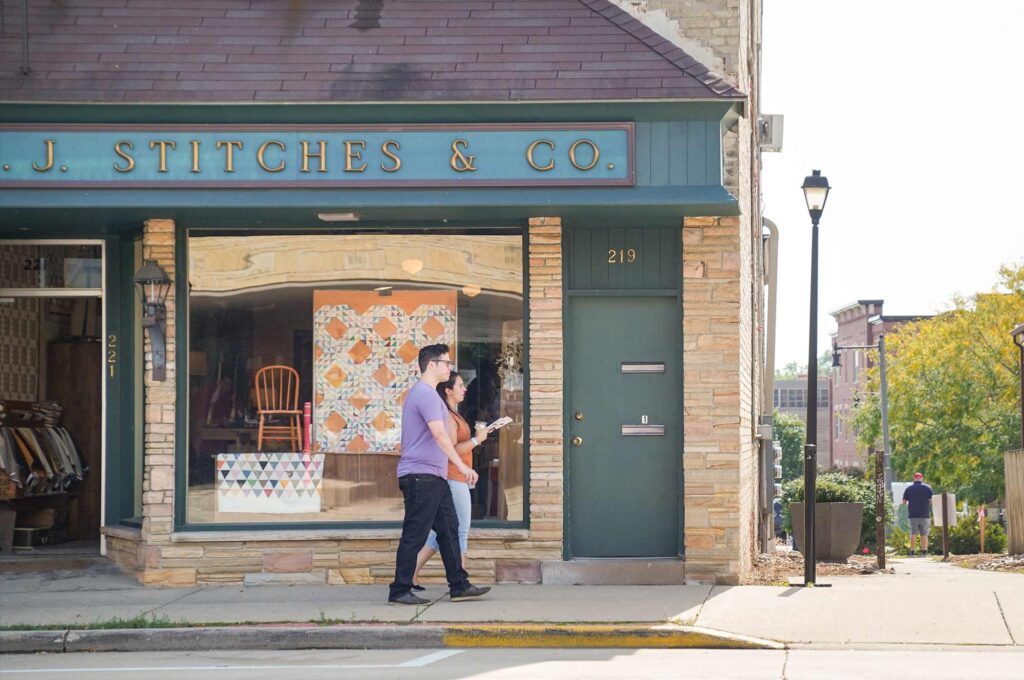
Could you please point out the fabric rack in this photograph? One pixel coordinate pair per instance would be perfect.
(40, 459)
(37, 455)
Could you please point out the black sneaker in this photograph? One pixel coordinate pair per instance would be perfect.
(470, 593)
(408, 598)
(417, 588)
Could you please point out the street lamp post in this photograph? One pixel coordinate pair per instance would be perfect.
(815, 188)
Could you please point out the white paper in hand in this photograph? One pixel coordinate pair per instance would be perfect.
(499, 423)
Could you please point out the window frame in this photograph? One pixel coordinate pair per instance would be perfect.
(182, 337)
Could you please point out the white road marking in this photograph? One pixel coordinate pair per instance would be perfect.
(430, 658)
(418, 662)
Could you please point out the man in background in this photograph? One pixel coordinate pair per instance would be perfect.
(918, 498)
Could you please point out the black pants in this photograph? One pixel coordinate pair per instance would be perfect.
(428, 505)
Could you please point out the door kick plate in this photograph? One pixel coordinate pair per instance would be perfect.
(643, 430)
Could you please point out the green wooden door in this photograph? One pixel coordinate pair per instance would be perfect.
(624, 360)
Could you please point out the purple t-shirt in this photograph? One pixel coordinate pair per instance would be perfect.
(420, 453)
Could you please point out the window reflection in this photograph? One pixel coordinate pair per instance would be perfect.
(347, 314)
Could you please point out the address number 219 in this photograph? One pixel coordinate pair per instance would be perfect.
(622, 256)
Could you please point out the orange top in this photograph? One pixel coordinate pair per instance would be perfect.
(462, 434)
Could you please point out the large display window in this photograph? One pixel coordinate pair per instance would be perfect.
(280, 322)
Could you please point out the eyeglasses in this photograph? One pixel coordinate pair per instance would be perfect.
(451, 364)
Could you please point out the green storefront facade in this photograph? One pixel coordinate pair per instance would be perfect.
(566, 248)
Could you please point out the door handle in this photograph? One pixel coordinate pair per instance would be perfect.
(577, 441)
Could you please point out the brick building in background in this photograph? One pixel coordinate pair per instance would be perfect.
(859, 323)
(790, 397)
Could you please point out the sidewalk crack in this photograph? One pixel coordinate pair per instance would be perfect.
(702, 603)
(166, 604)
(1003, 614)
(785, 663)
(420, 612)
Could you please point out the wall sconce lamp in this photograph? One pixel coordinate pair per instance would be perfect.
(154, 285)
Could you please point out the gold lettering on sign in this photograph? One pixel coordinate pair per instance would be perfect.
(163, 144)
(49, 157)
(461, 162)
(352, 155)
(322, 155)
(572, 154)
(529, 155)
(124, 154)
(195, 155)
(229, 161)
(263, 148)
(392, 155)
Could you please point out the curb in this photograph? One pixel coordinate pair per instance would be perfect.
(371, 636)
(665, 636)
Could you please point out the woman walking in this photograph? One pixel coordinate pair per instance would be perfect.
(453, 392)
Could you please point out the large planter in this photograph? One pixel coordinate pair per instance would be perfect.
(836, 529)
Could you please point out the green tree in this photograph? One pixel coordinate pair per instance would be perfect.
(790, 432)
(789, 372)
(953, 383)
(793, 369)
(825, 362)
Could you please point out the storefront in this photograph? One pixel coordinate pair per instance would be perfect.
(311, 249)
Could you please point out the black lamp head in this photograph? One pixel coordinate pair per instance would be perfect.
(816, 190)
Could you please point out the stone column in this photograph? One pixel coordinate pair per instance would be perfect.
(546, 383)
(712, 448)
(158, 458)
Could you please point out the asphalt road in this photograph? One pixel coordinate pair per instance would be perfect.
(528, 664)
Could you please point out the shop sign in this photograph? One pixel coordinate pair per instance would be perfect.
(316, 156)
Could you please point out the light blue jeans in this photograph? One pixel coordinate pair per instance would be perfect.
(464, 509)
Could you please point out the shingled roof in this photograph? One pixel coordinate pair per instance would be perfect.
(331, 51)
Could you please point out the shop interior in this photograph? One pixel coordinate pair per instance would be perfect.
(270, 330)
(51, 399)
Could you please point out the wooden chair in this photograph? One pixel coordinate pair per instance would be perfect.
(277, 394)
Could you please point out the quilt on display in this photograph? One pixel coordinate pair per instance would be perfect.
(274, 482)
(365, 348)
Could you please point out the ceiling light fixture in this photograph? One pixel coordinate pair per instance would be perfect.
(412, 265)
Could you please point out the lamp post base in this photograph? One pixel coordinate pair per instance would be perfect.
(799, 582)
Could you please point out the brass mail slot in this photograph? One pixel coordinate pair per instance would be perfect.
(643, 430)
(643, 367)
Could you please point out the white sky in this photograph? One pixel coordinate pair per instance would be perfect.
(912, 110)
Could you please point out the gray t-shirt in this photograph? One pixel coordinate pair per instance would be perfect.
(420, 453)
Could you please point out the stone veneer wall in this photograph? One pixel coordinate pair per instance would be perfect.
(719, 486)
(156, 556)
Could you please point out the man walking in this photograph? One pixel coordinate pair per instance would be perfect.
(423, 478)
(918, 498)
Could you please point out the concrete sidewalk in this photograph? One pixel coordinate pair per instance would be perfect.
(923, 603)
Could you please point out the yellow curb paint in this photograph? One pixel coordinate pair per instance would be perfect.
(540, 635)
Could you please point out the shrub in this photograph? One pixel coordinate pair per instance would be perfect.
(899, 541)
(965, 538)
(838, 487)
